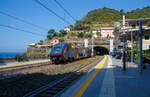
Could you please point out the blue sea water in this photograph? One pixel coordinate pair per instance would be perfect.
(9, 54)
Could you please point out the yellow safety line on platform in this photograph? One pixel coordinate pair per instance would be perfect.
(85, 86)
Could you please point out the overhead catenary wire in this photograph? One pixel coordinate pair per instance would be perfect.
(53, 12)
(21, 20)
(14, 28)
(64, 9)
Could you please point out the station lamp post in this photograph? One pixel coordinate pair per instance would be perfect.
(124, 44)
(131, 46)
(140, 46)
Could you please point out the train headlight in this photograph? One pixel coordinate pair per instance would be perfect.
(73, 46)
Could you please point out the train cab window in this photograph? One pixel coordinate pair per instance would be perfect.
(147, 37)
(58, 47)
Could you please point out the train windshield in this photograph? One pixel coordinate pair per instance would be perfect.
(58, 47)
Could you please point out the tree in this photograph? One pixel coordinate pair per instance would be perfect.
(80, 35)
(71, 27)
(18, 58)
(136, 50)
(63, 32)
(121, 11)
(73, 34)
(24, 57)
(51, 31)
(148, 23)
(98, 33)
(58, 34)
(21, 57)
(41, 42)
(89, 35)
(49, 37)
(51, 34)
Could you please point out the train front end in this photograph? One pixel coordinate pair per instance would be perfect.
(56, 54)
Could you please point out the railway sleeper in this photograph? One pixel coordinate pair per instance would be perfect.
(44, 95)
(61, 85)
(51, 92)
(55, 90)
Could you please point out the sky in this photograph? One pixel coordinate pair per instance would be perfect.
(28, 10)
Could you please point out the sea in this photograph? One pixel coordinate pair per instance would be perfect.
(9, 54)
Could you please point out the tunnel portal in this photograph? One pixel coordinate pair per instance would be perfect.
(100, 50)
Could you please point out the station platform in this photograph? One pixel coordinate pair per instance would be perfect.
(13, 64)
(107, 79)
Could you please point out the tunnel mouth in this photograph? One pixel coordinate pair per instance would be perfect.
(100, 50)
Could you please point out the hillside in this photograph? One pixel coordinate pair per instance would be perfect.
(139, 13)
(104, 17)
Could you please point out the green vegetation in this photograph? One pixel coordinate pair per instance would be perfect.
(41, 42)
(102, 17)
(106, 17)
(36, 53)
(18, 58)
(148, 24)
(135, 51)
(51, 34)
(88, 35)
(146, 53)
(81, 25)
(80, 35)
(98, 33)
(61, 33)
(21, 57)
(139, 13)
(73, 34)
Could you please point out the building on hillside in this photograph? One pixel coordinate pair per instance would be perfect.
(107, 32)
(132, 29)
(45, 47)
(67, 28)
(35, 47)
(133, 23)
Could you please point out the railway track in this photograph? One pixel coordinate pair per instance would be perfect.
(22, 67)
(55, 88)
(9, 72)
